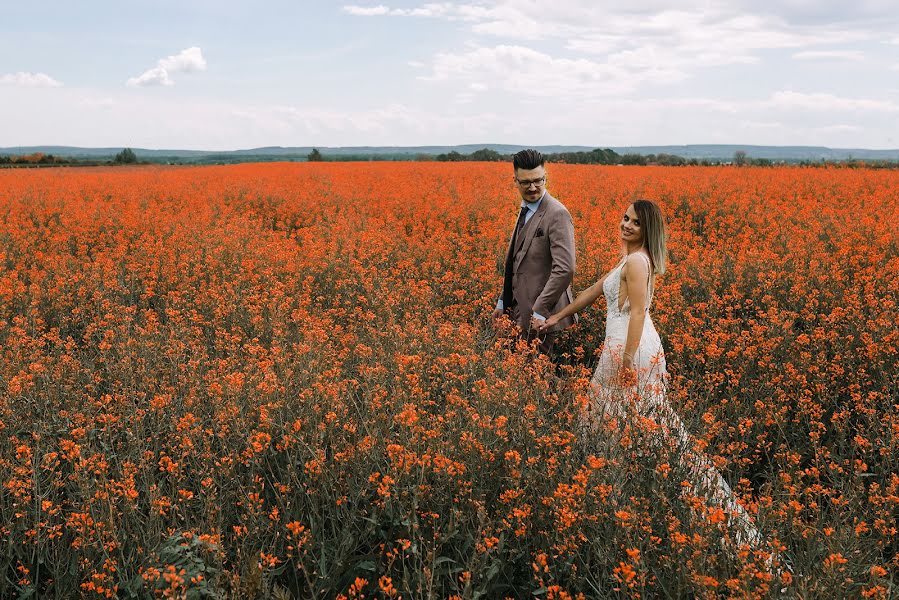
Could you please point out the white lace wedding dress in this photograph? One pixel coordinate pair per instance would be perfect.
(649, 401)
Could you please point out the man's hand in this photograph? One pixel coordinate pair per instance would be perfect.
(544, 326)
(497, 313)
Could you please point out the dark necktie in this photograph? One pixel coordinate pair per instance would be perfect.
(508, 299)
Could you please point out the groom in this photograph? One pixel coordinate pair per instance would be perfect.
(540, 258)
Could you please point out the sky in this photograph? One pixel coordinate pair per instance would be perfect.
(223, 75)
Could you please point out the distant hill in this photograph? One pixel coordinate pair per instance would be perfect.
(698, 151)
(793, 153)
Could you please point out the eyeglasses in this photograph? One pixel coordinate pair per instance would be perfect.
(526, 183)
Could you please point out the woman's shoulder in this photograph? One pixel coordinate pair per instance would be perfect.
(639, 257)
(638, 263)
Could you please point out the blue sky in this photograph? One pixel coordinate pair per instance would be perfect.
(225, 75)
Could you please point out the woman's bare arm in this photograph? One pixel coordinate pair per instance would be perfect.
(583, 300)
(636, 273)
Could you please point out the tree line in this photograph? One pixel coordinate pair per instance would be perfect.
(607, 156)
(598, 156)
(38, 159)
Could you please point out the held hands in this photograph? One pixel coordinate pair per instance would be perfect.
(544, 326)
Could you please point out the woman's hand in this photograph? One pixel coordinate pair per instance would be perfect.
(627, 375)
(627, 378)
(545, 325)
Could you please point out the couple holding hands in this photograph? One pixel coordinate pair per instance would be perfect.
(540, 264)
(631, 373)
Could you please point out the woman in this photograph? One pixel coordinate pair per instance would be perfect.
(632, 363)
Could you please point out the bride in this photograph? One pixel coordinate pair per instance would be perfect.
(633, 359)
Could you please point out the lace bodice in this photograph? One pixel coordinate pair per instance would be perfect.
(611, 289)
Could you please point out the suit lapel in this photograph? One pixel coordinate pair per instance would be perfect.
(528, 231)
(509, 248)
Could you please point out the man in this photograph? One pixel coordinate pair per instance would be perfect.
(540, 259)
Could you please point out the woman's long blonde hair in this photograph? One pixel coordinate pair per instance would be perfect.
(653, 225)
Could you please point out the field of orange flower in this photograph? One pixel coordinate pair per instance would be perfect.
(282, 381)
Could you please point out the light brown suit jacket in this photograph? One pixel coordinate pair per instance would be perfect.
(543, 264)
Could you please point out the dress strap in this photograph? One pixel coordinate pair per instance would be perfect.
(649, 280)
(646, 258)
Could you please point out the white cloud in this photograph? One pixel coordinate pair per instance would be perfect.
(828, 102)
(698, 105)
(829, 55)
(610, 49)
(23, 79)
(763, 125)
(791, 14)
(604, 24)
(587, 71)
(154, 76)
(838, 129)
(392, 124)
(524, 71)
(187, 61)
(362, 11)
(75, 116)
(447, 10)
(97, 103)
(806, 12)
(491, 20)
(428, 10)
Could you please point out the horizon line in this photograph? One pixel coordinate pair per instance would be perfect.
(419, 146)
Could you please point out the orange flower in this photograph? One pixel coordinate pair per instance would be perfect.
(295, 354)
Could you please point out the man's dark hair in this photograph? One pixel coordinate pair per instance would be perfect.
(527, 159)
